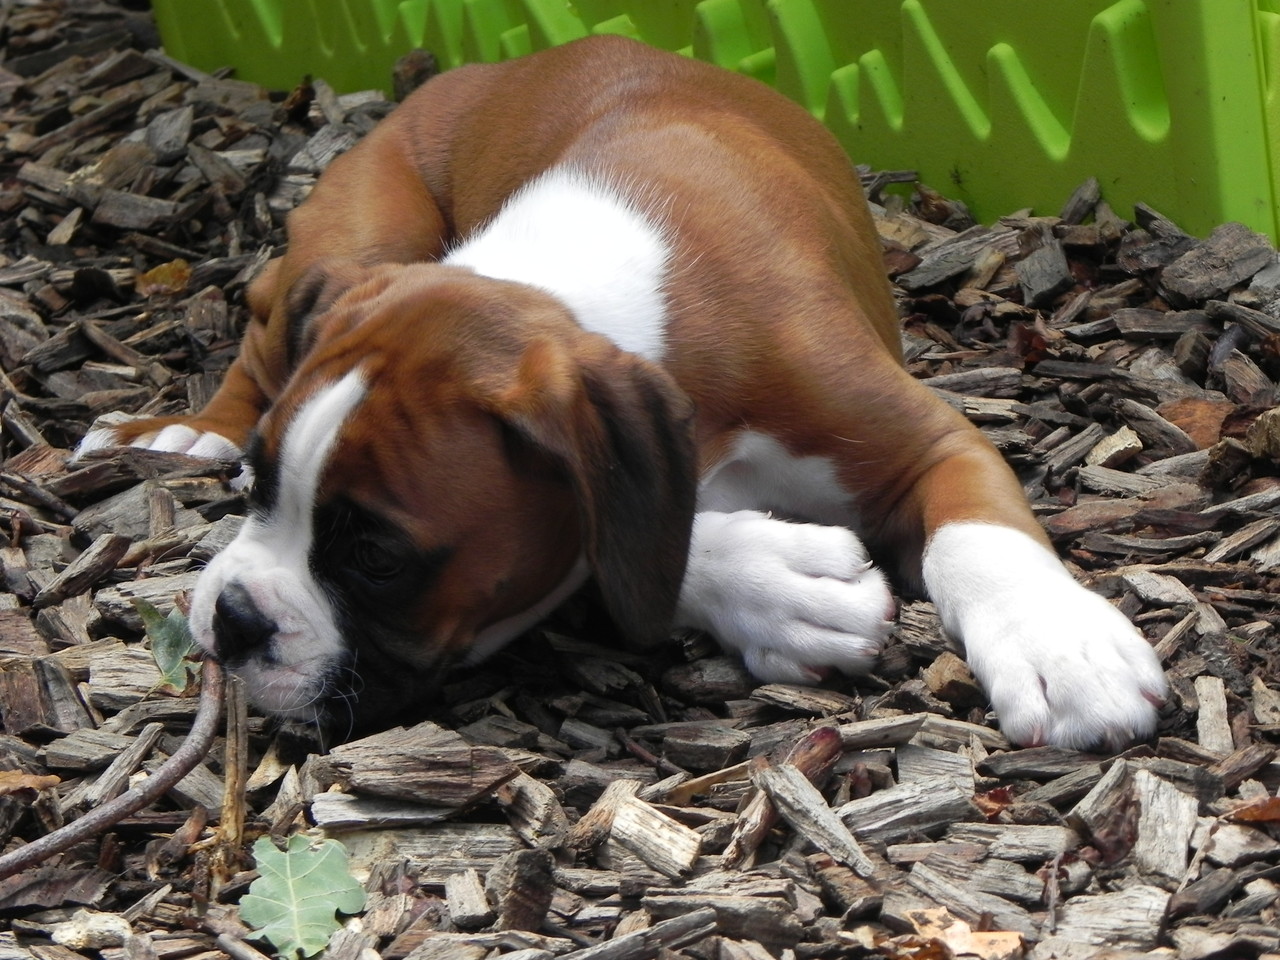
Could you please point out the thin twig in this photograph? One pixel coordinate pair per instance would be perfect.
(101, 818)
(637, 750)
(29, 488)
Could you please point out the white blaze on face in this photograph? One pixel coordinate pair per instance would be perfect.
(269, 558)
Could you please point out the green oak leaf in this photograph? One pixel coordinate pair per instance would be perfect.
(294, 901)
(171, 644)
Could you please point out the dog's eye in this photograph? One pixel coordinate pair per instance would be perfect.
(375, 562)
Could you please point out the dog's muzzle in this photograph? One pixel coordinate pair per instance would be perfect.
(240, 628)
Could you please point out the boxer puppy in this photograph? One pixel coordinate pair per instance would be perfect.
(606, 311)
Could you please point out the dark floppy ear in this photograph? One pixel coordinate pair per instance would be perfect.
(624, 432)
(319, 287)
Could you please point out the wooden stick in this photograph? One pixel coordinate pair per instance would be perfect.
(101, 818)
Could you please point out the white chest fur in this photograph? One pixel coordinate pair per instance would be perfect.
(759, 473)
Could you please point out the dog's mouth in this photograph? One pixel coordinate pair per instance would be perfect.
(344, 696)
(301, 692)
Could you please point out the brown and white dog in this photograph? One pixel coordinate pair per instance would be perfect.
(607, 311)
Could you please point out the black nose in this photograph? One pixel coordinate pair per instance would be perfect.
(239, 627)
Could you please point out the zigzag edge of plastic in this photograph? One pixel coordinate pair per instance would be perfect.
(1175, 105)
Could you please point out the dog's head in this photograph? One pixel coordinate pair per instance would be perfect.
(450, 458)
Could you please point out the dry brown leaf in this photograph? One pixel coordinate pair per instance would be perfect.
(1264, 809)
(994, 801)
(168, 278)
(942, 934)
(912, 947)
(11, 781)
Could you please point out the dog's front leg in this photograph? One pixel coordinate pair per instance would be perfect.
(370, 207)
(795, 600)
(220, 430)
(1060, 664)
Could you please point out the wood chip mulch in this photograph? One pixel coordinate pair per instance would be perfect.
(567, 799)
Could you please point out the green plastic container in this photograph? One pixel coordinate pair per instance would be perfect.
(1002, 104)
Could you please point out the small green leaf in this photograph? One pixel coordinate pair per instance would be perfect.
(292, 904)
(171, 644)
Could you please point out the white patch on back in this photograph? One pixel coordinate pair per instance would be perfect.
(582, 240)
(269, 557)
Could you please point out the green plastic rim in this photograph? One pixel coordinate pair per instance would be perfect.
(1173, 103)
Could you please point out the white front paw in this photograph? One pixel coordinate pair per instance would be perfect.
(1077, 673)
(794, 599)
(1060, 664)
(173, 438)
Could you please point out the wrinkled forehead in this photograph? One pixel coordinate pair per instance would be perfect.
(295, 442)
